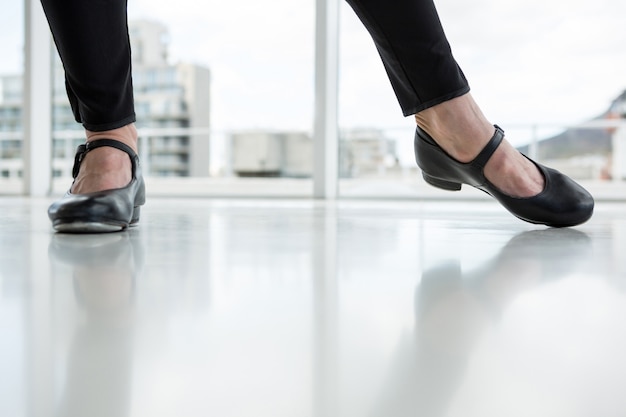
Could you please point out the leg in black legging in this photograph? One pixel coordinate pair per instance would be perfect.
(429, 83)
(92, 39)
(414, 50)
(93, 43)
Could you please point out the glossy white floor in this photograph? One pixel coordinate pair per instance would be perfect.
(301, 308)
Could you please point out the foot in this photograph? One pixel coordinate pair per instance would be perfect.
(460, 128)
(106, 168)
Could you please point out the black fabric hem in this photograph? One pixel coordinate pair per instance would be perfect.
(110, 126)
(423, 106)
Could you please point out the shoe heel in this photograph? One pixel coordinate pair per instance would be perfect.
(136, 214)
(443, 184)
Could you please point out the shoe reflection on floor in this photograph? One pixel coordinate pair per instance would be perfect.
(99, 359)
(452, 308)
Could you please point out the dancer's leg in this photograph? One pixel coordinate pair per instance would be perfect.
(414, 49)
(92, 40)
(93, 43)
(429, 83)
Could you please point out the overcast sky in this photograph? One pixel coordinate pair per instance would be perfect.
(528, 61)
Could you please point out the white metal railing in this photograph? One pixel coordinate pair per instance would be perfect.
(382, 181)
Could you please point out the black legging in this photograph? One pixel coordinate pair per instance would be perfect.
(92, 40)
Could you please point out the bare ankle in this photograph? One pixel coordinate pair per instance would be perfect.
(125, 134)
(458, 125)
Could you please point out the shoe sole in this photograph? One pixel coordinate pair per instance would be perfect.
(442, 184)
(87, 227)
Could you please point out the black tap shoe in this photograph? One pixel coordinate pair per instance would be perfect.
(562, 203)
(100, 211)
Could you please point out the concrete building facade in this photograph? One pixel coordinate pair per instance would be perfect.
(172, 103)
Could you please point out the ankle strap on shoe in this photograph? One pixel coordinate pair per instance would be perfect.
(85, 148)
(490, 148)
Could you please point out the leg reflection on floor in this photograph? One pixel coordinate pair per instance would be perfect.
(454, 310)
(297, 308)
(98, 363)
